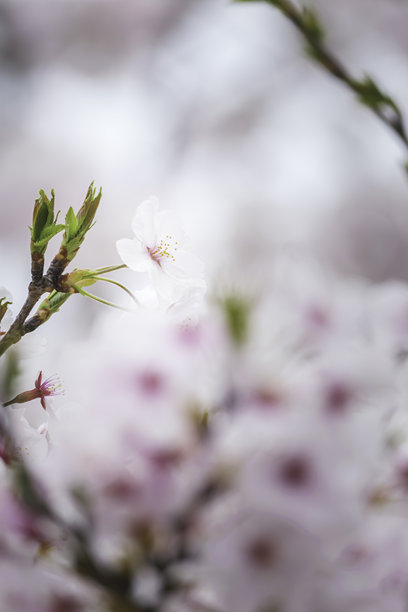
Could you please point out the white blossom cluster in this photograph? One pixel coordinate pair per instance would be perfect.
(251, 459)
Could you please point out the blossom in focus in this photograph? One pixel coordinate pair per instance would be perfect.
(42, 389)
(159, 249)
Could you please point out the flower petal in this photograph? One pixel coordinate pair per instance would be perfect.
(133, 254)
(168, 289)
(144, 221)
(169, 225)
(185, 266)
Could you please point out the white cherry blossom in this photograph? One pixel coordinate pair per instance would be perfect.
(159, 248)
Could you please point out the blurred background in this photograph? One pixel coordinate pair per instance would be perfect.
(213, 107)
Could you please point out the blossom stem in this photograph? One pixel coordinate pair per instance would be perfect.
(113, 282)
(97, 299)
(110, 269)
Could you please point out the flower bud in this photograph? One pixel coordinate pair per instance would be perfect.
(44, 223)
(76, 226)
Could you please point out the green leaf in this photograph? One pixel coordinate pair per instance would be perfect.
(47, 234)
(43, 223)
(87, 212)
(371, 95)
(72, 247)
(71, 225)
(76, 226)
(52, 230)
(52, 304)
(40, 221)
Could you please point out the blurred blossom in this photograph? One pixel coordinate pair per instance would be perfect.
(265, 472)
(242, 448)
(32, 345)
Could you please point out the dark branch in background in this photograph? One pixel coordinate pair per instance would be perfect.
(115, 584)
(307, 22)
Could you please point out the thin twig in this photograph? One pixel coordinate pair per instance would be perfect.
(307, 22)
(15, 331)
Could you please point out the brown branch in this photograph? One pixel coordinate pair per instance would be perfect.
(15, 331)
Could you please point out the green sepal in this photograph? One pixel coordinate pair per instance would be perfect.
(75, 281)
(79, 278)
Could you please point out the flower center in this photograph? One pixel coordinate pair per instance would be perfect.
(166, 249)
